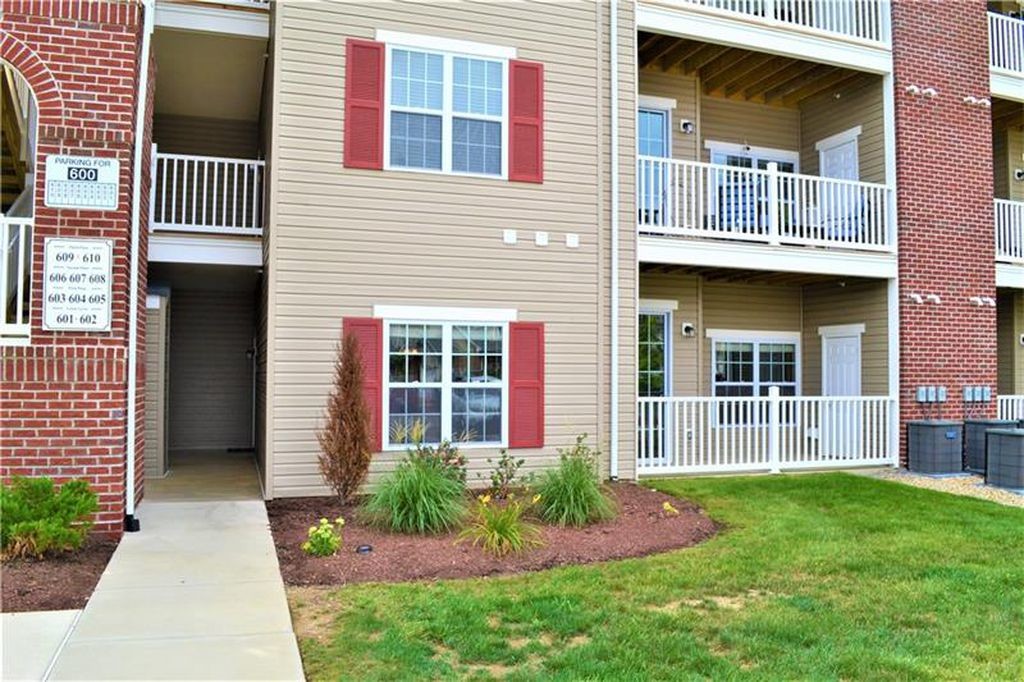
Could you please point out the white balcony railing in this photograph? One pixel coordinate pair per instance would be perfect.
(863, 19)
(1010, 406)
(697, 199)
(1006, 42)
(16, 278)
(772, 433)
(1009, 219)
(206, 194)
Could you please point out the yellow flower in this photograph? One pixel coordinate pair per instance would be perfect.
(669, 509)
(340, 521)
(312, 529)
(536, 499)
(323, 521)
(484, 499)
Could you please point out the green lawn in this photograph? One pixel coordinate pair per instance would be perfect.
(827, 576)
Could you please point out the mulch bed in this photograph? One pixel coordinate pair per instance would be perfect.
(642, 527)
(60, 581)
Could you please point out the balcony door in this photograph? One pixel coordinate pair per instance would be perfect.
(840, 207)
(653, 126)
(741, 198)
(654, 379)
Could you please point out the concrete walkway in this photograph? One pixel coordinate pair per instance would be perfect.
(31, 640)
(196, 594)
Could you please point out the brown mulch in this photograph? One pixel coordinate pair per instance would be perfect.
(60, 581)
(642, 527)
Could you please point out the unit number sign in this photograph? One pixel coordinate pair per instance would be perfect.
(76, 284)
(82, 182)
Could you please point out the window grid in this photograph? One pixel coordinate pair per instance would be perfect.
(653, 363)
(748, 368)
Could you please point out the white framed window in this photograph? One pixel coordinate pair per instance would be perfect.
(446, 106)
(746, 364)
(449, 376)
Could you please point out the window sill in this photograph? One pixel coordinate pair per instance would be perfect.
(432, 171)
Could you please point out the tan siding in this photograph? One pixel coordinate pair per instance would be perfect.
(1015, 155)
(211, 377)
(205, 136)
(749, 123)
(685, 291)
(1006, 344)
(156, 389)
(1000, 164)
(856, 303)
(344, 240)
(824, 116)
(683, 89)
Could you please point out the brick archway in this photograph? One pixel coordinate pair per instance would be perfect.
(49, 99)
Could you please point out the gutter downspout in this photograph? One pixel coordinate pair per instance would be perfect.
(131, 524)
(613, 26)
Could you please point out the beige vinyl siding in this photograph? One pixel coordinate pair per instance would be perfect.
(1010, 326)
(749, 123)
(345, 240)
(1000, 164)
(683, 89)
(1015, 159)
(156, 389)
(211, 377)
(685, 290)
(175, 134)
(823, 116)
(863, 302)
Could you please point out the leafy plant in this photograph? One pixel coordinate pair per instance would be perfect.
(571, 495)
(504, 475)
(324, 538)
(500, 528)
(38, 518)
(419, 496)
(345, 443)
(444, 455)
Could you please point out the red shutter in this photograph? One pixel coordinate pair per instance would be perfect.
(369, 332)
(364, 104)
(526, 121)
(526, 384)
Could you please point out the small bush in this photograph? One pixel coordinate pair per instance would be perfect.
(445, 457)
(420, 496)
(325, 538)
(500, 528)
(38, 519)
(504, 475)
(571, 495)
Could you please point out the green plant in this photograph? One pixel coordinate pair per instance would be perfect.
(571, 495)
(345, 444)
(504, 474)
(446, 457)
(324, 538)
(419, 496)
(38, 518)
(500, 528)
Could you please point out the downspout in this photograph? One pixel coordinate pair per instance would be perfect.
(613, 59)
(131, 524)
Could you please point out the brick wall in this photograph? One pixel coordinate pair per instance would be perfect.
(944, 171)
(63, 398)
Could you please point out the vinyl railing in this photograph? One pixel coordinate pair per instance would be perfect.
(1010, 406)
(697, 199)
(771, 433)
(1009, 218)
(16, 277)
(863, 19)
(1006, 42)
(206, 194)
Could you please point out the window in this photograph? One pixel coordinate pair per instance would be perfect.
(749, 368)
(446, 112)
(652, 352)
(448, 378)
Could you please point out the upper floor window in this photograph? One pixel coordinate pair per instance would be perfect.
(446, 112)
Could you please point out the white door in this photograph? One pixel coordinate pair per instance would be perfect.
(839, 205)
(653, 140)
(654, 380)
(841, 161)
(841, 429)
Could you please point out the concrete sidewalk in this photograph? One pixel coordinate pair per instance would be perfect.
(196, 594)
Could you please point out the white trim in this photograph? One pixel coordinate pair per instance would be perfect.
(153, 301)
(423, 314)
(837, 330)
(420, 41)
(1006, 84)
(893, 328)
(769, 153)
(889, 135)
(838, 139)
(753, 335)
(723, 254)
(197, 19)
(1009, 276)
(655, 102)
(658, 305)
(204, 251)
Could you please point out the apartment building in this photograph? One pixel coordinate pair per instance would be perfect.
(714, 235)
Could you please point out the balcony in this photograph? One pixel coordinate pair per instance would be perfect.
(859, 19)
(1009, 219)
(694, 199)
(1006, 56)
(207, 195)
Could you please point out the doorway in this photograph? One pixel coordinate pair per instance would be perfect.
(841, 422)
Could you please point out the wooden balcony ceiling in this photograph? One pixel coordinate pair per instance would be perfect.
(746, 276)
(745, 75)
(1007, 114)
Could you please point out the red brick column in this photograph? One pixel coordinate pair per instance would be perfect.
(944, 201)
(63, 398)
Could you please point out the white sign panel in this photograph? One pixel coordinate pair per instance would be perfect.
(83, 182)
(77, 284)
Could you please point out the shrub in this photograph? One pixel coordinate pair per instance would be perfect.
(504, 475)
(445, 457)
(420, 496)
(500, 528)
(37, 518)
(325, 538)
(345, 443)
(571, 495)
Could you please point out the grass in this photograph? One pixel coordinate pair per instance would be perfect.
(821, 577)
